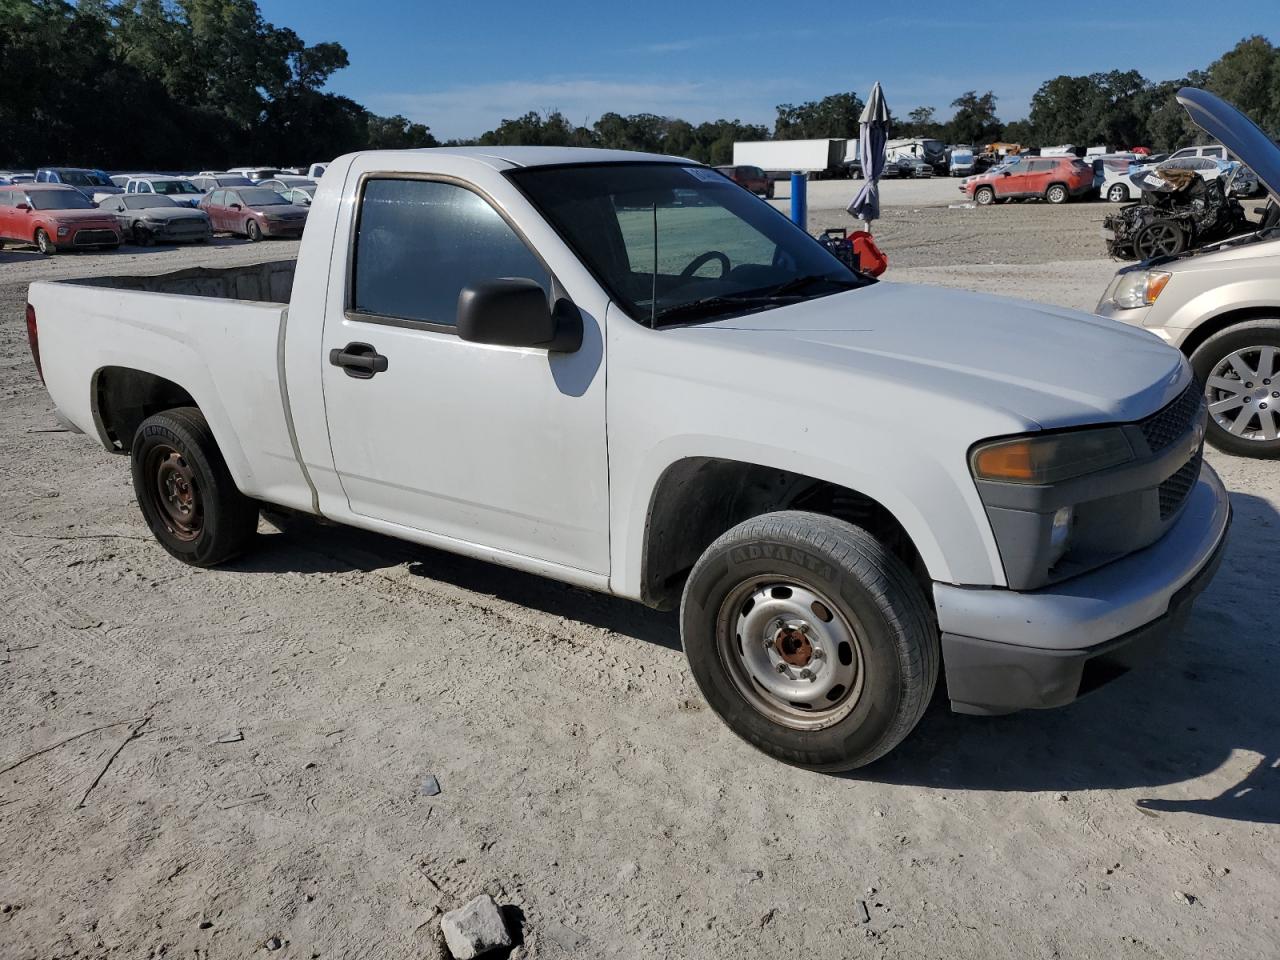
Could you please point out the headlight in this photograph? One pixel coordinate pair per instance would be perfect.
(1139, 288)
(1050, 458)
(63, 231)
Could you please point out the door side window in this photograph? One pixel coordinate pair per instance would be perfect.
(419, 242)
(1214, 152)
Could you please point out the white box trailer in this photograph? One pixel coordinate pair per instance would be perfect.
(818, 158)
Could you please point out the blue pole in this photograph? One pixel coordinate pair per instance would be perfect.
(800, 200)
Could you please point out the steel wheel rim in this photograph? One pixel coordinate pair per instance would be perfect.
(790, 653)
(174, 493)
(1243, 393)
(1118, 195)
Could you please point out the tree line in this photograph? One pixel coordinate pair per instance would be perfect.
(176, 84)
(173, 84)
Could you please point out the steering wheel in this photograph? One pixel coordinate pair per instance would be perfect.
(707, 257)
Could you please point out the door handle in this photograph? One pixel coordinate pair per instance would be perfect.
(358, 360)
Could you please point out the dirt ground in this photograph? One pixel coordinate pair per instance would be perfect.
(295, 700)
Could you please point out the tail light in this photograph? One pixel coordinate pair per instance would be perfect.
(33, 337)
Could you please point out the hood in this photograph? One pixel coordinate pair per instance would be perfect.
(1045, 366)
(1237, 133)
(168, 214)
(77, 216)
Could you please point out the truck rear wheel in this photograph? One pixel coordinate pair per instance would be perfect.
(186, 493)
(810, 640)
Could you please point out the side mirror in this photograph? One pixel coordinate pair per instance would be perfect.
(1005, 173)
(513, 312)
(22, 206)
(236, 206)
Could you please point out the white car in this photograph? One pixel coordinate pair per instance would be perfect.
(180, 190)
(1117, 188)
(1220, 305)
(844, 485)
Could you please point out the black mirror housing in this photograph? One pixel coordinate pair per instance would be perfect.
(513, 312)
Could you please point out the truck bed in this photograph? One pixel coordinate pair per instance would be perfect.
(215, 333)
(257, 282)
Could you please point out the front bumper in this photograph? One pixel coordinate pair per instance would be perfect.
(1005, 650)
(283, 228)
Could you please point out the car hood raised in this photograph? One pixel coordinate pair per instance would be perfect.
(1046, 366)
(1237, 133)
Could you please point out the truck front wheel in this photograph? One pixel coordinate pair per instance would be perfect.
(186, 493)
(810, 640)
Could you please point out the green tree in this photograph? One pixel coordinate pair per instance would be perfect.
(975, 119)
(1248, 76)
(833, 116)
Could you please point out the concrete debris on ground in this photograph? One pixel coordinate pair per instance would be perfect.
(1185, 899)
(430, 786)
(475, 928)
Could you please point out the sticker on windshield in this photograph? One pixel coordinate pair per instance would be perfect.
(705, 175)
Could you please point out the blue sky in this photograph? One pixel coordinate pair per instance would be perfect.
(462, 67)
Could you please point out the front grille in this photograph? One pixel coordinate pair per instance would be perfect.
(1166, 426)
(86, 238)
(1174, 490)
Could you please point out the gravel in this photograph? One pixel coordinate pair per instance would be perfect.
(551, 714)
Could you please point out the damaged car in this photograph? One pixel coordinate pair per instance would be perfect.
(1178, 210)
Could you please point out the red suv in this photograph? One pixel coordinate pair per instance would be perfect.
(1056, 179)
(54, 217)
(750, 178)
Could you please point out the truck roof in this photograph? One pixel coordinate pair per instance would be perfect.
(500, 158)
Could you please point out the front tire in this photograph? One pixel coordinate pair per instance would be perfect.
(185, 491)
(810, 640)
(984, 196)
(1239, 370)
(1118, 193)
(253, 231)
(45, 243)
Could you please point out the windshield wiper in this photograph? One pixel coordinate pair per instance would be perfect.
(711, 305)
(796, 284)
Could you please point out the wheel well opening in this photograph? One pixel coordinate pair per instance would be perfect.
(1202, 333)
(124, 397)
(698, 499)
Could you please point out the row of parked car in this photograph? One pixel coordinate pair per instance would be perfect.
(66, 208)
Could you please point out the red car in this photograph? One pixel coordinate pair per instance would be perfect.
(54, 217)
(750, 178)
(253, 212)
(1056, 179)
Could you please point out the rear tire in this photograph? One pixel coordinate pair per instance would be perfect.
(984, 196)
(45, 243)
(1240, 403)
(1118, 193)
(767, 596)
(1057, 193)
(185, 491)
(253, 231)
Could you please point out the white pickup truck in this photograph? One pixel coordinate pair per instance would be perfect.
(626, 372)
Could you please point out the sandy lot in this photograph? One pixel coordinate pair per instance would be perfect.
(295, 700)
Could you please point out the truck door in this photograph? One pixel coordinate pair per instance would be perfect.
(500, 447)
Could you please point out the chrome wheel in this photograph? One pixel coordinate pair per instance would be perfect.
(791, 653)
(1243, 393)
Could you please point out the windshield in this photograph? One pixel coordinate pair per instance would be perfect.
(716, 250)
(59, 200)
(173, 187)
(261, 197)
(142, 201)
(85, 178)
